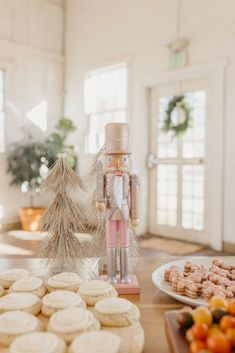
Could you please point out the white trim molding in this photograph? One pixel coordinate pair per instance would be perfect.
(45, 54)
(215, 71)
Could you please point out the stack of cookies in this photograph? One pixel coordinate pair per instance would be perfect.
(64, 315)
(194, 280)
(121, 317)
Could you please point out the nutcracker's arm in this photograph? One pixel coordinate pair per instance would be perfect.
(134, 199)
(100, 188)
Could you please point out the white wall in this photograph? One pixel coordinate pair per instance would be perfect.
(100, 32)
(31, 52)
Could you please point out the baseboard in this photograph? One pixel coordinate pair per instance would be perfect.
(229, 247)
(183, 240)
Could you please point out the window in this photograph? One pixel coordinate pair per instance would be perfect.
(2, 113)
(105, 100)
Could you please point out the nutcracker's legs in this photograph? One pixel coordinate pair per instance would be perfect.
(112, 227)
(111, 265)
(111, 233)
(124, 251)
(125, 260)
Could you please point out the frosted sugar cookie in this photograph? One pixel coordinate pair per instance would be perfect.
(20, 301)
(30, 284)
(61, 299)
(1, 291)
(96, 342)
(64, 281)
(16, 323)
(69, 323)
(116, 312)
(96, 290)
(132, 337)
(7, 278)
(38, 342)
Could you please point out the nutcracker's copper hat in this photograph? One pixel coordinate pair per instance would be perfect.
(117, 138)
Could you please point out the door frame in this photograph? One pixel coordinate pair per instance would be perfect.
(215, 71)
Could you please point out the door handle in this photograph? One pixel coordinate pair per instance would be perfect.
(151, 160)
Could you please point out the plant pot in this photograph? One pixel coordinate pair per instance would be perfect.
(30, 217)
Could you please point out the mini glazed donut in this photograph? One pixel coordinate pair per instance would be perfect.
(7, 278)
(116, 312)
(96, 342)
(64, 281)
(38, 342)
(94, 291)
(27, 302)
(70, 323)
(30, 284)
(16, 323)
(61, 299)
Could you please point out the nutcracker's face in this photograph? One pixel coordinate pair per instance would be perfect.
(117, 162)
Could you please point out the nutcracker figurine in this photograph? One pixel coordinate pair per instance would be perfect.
(117, 199)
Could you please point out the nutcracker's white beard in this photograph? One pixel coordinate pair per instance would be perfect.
(118, 190)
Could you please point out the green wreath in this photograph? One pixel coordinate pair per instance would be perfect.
(181, 128)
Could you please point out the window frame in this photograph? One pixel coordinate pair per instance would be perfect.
(95, 71)
(3, 69)
(8, 67)
(213, 71)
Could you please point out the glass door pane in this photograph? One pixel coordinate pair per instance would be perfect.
(193, 142)
(180, 167)
(193, 197)
(167, 194)
(166, 146)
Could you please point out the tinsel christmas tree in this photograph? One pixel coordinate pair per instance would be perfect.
(95, 223)
(61, 249)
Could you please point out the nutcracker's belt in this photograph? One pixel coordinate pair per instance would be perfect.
(113, 205)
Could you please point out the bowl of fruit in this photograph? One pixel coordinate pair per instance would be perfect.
(203, 329)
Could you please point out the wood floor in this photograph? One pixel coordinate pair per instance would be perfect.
(11, 247)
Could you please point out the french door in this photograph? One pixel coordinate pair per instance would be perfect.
(179, 167)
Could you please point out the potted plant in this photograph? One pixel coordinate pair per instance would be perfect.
(29, 162)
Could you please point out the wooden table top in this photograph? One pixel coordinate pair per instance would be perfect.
(151, 302)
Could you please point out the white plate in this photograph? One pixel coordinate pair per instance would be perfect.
(159, 282)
